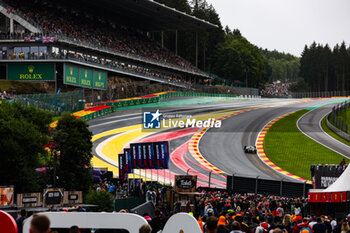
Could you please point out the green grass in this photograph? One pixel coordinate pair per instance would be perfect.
(294, 152)
(331, 133)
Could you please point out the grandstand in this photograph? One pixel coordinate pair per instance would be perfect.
(82, 43)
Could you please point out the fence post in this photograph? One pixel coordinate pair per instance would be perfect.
(304, 188)
(256, 185)
(281, 187)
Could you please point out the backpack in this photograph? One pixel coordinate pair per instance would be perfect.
(305, 230)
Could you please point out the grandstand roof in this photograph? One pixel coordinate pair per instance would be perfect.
(144, 14)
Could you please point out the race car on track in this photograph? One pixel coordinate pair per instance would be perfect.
(250, 149)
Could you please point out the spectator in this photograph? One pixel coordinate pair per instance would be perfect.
(302, 226)
(212, 224)
(74, 229)
(319, 227)
(157, 222)
(40, 224)
(345, 227)
(236, 227)
(20, 219)
(287, 223)
(222, 225)
(338, 227)
(145, 228)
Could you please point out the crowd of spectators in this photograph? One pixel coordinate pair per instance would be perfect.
(276, 89)
(220, 212)
(98, 32)
(5, 95)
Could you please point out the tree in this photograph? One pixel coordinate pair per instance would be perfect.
(73, 141)
(24, 132)
(324, 69)
(237, 59)
(103, 199)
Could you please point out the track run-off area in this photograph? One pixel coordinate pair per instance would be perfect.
(198, 150)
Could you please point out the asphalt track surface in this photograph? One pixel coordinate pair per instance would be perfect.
(222, 147)
(310, 125)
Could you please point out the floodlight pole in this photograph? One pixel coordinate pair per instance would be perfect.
(209, 179)
(196, 48)
(176, 42)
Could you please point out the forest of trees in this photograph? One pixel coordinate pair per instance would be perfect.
(326, 69)
(284, 67)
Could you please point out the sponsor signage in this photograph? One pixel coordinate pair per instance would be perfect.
(133, 151)
(185, 183)
(84, 77)
(29, 199)
(71, 75)
(325, 175)
(161, 155)
(53, 197)
(73, 197)
(31, 72)
(6, 196)
(128, 160)
(121, 163)
(100, 80)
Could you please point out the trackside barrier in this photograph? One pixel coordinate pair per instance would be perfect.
(180, 222)
(263, 186)
(336, 124)
(193, 94)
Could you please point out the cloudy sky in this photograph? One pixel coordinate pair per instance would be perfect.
(287, 25)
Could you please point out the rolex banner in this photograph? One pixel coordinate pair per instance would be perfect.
(84, 77)
(31, 72)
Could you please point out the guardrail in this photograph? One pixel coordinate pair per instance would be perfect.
(336, 124)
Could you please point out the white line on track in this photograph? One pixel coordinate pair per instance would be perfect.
(314, 138)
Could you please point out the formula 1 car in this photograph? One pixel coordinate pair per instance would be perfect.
(250, 149)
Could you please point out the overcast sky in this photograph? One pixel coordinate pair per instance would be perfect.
(287, 25)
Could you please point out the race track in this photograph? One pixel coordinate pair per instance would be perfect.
(221, 149)
(310, 125)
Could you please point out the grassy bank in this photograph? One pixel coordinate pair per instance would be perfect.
(293, 151)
